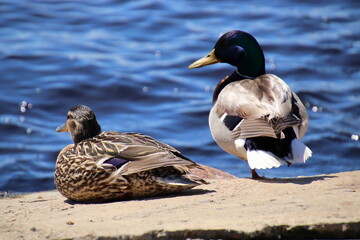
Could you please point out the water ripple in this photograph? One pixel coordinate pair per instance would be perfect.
(128, 61)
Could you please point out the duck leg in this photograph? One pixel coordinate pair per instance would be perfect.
(254, 175)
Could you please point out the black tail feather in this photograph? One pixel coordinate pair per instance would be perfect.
(279, 147)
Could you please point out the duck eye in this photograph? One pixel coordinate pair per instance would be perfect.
(208, 55)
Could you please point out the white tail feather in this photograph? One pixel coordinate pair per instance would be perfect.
(263, 160)
(300, 151)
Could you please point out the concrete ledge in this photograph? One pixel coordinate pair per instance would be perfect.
(323, 231)
(325, 206)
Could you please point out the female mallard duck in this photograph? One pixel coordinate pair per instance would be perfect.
(105, 166)
(255, 115)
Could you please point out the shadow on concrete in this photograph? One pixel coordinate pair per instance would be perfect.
(189, 192)
(296, 180)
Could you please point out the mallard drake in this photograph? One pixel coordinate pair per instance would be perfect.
(255, 116)
(106, 166)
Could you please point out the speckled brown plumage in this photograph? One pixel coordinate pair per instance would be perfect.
(84, 171)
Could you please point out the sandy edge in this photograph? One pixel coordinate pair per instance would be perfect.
(240, 205)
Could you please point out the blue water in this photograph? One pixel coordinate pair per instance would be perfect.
(128, 60)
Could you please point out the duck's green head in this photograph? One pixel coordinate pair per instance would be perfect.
(239, 49)
(80, 123)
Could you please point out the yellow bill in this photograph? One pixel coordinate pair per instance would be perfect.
(207, 60)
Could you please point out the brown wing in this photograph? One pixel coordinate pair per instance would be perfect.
(266, 104)
(143, 152)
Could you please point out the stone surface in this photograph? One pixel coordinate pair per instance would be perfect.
(224, 208)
